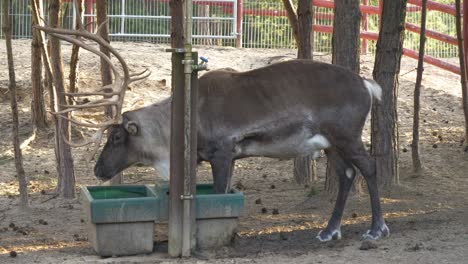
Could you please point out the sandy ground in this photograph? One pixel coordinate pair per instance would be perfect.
(427, 213)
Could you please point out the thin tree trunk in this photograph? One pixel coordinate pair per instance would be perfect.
(301, 24)
(204, 25)
(177, 23)
(346, 51)
(73, 76)
(417, 92)
(23, 185)
(37, 13)
(304, 29)
(384, 131)
(106, 74)
(38, 113)
(292, 16)
(66, 173)
(101, 17)
(461, 56)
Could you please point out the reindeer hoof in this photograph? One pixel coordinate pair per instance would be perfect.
(377, 233)
(328, 235)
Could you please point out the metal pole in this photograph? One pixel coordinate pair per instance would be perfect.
(239, 13)
(187, 197)
(122, 20)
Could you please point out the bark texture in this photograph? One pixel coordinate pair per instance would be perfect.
(345, 46)
(38, 113)
(461, 55)
(177, 23)
(74, 59)
(66, 183)
(384, 131)
(23, 185)
(417, 92)
(304, 29)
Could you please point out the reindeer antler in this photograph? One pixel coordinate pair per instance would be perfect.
(112, 94)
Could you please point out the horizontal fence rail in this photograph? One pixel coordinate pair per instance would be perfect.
(255, 24)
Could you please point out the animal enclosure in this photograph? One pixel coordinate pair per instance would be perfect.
(426, 214)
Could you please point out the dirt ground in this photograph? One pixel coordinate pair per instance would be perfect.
(427, 213)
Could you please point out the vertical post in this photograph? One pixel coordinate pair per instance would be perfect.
(89, 11)
(465, 33)
(239, 15)
(183, 145)
(380, 13)
(365, 28)
(176, 156)
(122, 18)
(73, 13)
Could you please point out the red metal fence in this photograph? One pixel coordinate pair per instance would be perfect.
(366, 10)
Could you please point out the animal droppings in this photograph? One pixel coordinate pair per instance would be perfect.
(12, 225)
(272, 186)
(13, 254)
(434, 146)
(354, 215)
(275, 212)
(368, 245)
(405, 150)
(258, 201)
(264, 210)
(43, 222)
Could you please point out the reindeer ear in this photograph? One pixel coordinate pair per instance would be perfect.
(131, 127)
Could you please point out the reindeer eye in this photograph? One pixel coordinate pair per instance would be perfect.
(116, 137)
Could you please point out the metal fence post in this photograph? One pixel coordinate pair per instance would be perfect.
(239, 14)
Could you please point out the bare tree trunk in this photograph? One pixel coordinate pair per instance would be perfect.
(304, 29)
(292, 16)
(204, 25)
(38, 113)
(177, 23)
(384, 131)
(301, 24)
(23, 185)
(37, 14)
(417, 92)
(461, 55)
(345, 45)
(66, 185)
(101, 17)
(106, 74)
(73, 76)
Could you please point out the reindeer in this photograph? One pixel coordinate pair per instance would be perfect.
(288, 109)
(284, 110)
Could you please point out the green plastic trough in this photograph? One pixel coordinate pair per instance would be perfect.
(121, 217)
